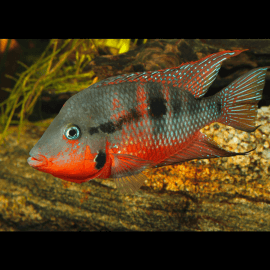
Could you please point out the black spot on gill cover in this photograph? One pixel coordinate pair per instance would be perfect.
(100, 160)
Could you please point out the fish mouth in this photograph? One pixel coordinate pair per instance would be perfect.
(37, 161)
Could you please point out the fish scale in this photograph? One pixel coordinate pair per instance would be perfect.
(125, 124)
(155, 130)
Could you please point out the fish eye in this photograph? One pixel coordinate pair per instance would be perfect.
(72, 133)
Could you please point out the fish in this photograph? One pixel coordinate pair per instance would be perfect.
(119, 127)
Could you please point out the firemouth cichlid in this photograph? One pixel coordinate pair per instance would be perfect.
(122, 125)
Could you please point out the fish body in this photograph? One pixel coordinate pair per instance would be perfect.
(124, 124)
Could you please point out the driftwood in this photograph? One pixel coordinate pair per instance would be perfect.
(32, 200)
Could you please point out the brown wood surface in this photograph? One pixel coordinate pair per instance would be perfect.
(33, 200)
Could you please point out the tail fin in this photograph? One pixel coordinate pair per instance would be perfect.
(239, 100)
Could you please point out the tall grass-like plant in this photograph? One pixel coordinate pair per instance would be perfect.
(53, 71)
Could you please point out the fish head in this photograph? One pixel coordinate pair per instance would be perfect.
(66, 149)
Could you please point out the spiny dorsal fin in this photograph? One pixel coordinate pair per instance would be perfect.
(201, 74)
(195, 77)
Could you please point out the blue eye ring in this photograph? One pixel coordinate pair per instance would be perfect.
(72, 132)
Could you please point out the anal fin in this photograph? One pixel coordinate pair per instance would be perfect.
(200, 148)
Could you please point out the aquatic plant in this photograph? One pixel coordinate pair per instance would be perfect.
(59, 69)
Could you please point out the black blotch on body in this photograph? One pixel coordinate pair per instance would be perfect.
(93, 130)
(157, 107)
(219, 107)
(132, 115)
(156, 104)
(108, 127)
(156, 101)
(100, 160)
(111, 127)
(176, 106)
(193, 104)
(176, 102)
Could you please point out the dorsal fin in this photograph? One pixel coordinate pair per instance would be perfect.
(195, 77)
(200, 147)
(201, 74)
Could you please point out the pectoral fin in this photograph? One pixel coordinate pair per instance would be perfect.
(126, 172)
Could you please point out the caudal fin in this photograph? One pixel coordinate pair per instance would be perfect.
(239, 100)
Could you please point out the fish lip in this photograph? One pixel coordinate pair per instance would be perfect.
(37, 161)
